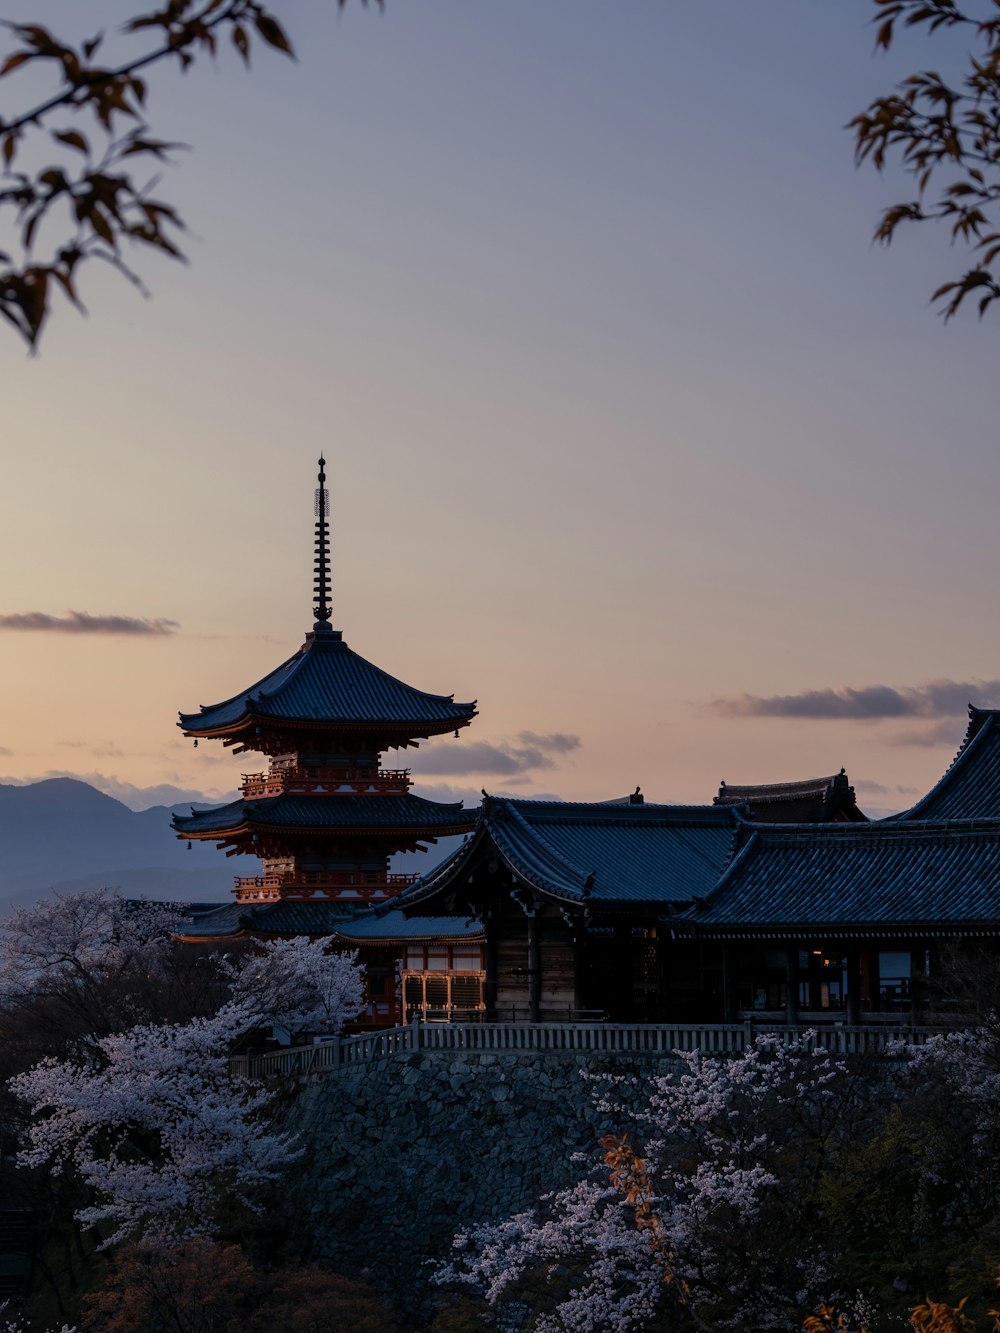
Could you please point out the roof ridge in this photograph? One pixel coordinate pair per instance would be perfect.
(968, 746)
(550, 851)
(244, 694)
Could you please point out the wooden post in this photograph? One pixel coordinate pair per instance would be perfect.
(490, 990)
(853, 1012)
(579, 966)
(624, 1000)
(729, 995)
(791, 985)
(534, 970)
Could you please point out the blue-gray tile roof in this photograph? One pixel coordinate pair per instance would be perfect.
(393, 925)
(843, 876)
(334, 813)
(600, 853)
(325, 682)
(812, 801)
(284, 918)
(970, 789)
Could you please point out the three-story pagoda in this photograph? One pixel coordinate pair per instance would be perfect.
(325, 816)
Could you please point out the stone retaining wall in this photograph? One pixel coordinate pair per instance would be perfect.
(403, 1153)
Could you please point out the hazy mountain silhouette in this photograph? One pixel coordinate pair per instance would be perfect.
(65, 834)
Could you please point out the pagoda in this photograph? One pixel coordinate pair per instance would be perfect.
(325, 816)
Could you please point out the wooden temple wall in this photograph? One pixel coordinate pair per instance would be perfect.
(535, 967)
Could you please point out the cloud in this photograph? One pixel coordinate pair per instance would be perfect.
(558, 742)
(508, 759)
(100, 749)
(926, 735)
(869, 787)
(935, 699)
(446, 793)
(135, 797)
(471, 797)
(80, 622)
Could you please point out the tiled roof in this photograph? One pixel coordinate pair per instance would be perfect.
(389, 926)
(598, 853)
(970, 789)
(325, 682)
(858, 875)
(329, 812)
(811, 801)
(284, 918)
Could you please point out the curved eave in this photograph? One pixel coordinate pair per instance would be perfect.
(441, 878)
(328, 686)
(251, 720)
(837, 930)
(420, 832)
(525, 875)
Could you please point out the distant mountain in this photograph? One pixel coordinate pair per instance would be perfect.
(65, 834)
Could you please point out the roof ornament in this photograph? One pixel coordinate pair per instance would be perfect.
(321, 583)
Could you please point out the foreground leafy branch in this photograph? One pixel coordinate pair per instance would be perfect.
(88, 204)
(946, 134)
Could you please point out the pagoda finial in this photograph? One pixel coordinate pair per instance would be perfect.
(321, 582)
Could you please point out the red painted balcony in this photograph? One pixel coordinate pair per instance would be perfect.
(301, 885)
(311, 780)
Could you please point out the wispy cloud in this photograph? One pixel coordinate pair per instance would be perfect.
(81, 622)
(507, 759)
(471, 796)
(926, 735)
(933, 700)
(99, 749)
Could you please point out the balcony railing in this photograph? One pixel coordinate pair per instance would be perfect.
(305, 884)
(325, 779)
(606, 1039)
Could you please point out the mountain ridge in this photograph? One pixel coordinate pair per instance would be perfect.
(63, 835)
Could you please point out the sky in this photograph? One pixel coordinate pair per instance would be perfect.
(632, 434)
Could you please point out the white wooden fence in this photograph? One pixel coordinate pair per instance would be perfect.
(655, 1039)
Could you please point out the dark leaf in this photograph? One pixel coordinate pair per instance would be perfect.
(242, 43)
(101, 226)
(73, 138)
(273, 33)
(12, 62)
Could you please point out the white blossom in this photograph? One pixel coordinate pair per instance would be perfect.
(297, 984)
(715, 1129)
(76, 936)
(150, 1118)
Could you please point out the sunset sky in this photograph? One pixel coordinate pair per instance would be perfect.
(632, 434)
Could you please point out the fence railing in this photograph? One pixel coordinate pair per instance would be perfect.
(657, 1039)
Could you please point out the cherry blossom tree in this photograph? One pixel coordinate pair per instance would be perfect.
(165, 1140)
(91, 963)
(714, 1218)
(156, 1128)
(297, 984)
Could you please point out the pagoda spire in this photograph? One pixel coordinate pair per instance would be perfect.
(321, 584)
